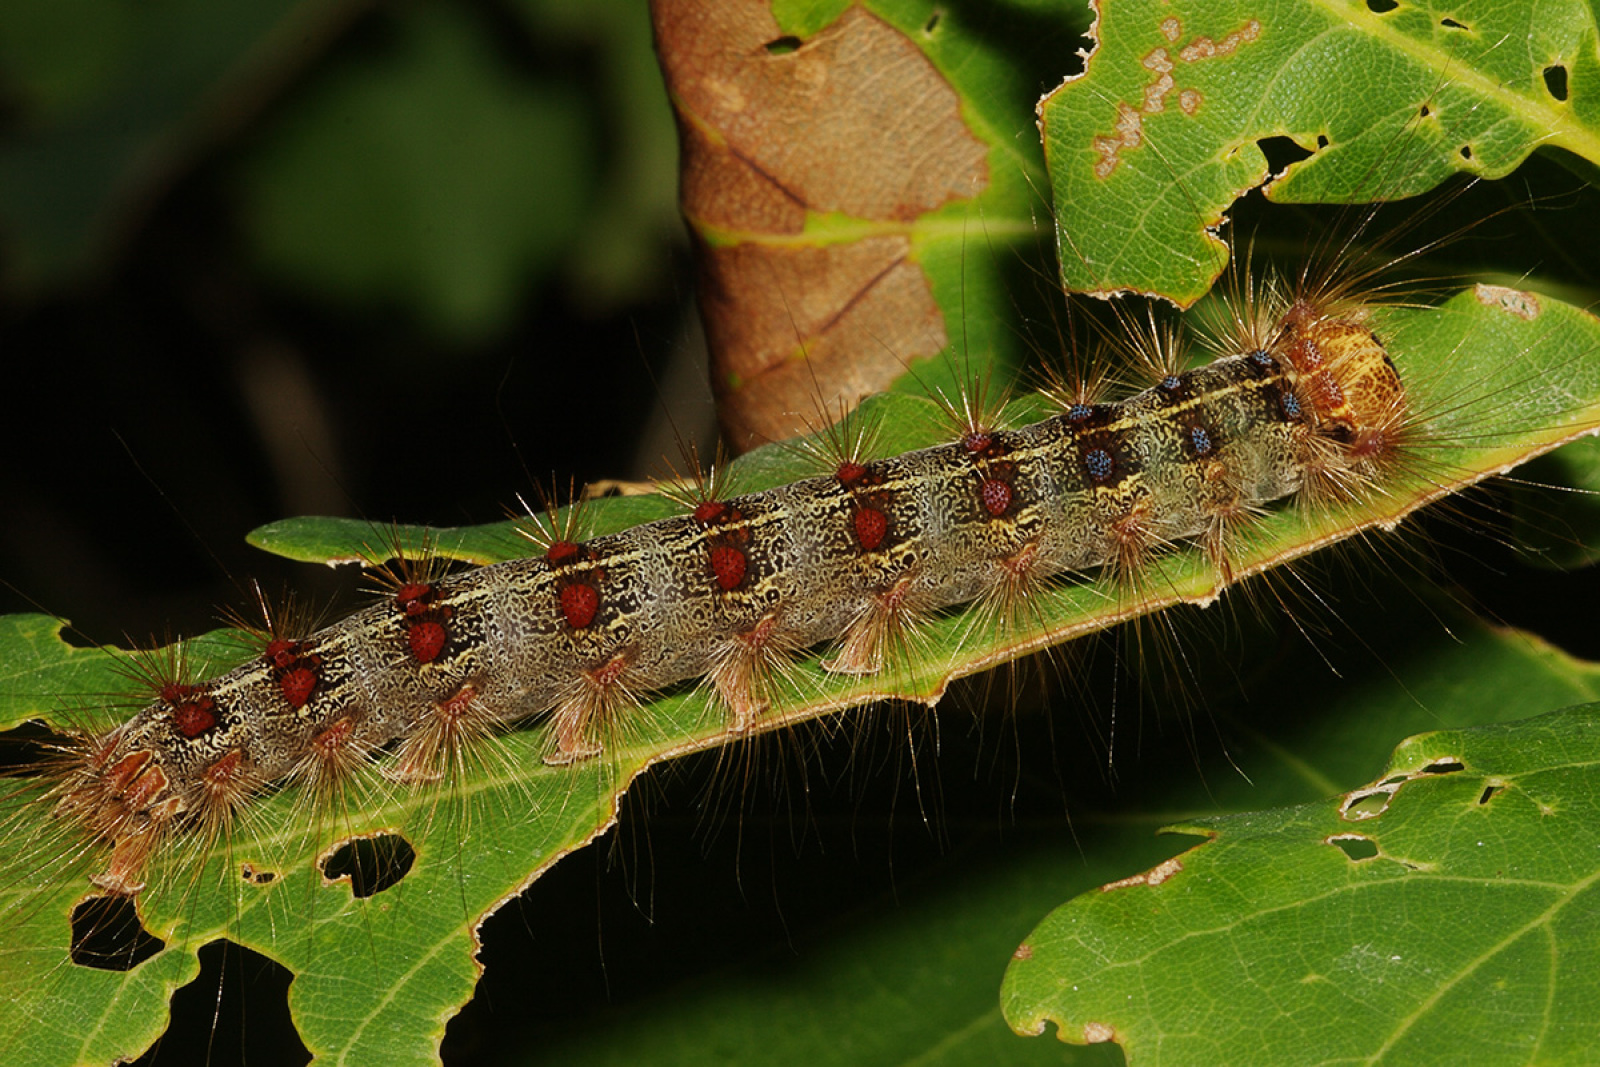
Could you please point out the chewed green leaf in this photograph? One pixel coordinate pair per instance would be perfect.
(1443, 913)
(526, 815)
(40, 666)
(936, 940)
(1148, 149)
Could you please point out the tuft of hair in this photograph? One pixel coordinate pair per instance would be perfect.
(600, 711)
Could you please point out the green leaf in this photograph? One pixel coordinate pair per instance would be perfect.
(424, 940)
(426, 178)
(908, 973)
(1161, 134)
(1443, 913)
(115, 98)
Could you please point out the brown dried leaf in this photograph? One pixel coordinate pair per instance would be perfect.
(854, 121)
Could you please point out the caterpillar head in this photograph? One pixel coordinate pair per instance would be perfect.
(1344, 373)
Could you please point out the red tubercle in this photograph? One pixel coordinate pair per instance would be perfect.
(225, 772)
(425, 617)
(871, 527)
(996, 496)
(1020, 564)
(728, 564)
(426, 639)
(457, 705)
(611, 671)
(714, 513)
(755, 638)
(297, 685)
(334, 739)
(562, 552)
(295, 668)
(580, 602)
(193, 710)
(710, 511)
(850, 472)
(176, 692)
(194, 719)
(414, 598)
(978, 441)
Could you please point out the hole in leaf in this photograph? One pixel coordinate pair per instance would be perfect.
(1466, 151)
(933, 22)
(1555, 81)
(255, 877)
(1322, 141)
(27, 749)
(1489, 792)
(1283, 153)
(1452, 24)
(782, 46)
(371, 864)
(1382, 7)
(236, 1011)
(1444, 766)
(1355, 847)
(1424, 111)
(108, 936)
(1367, 805)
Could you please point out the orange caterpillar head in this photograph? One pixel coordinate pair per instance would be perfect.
(1343, 372)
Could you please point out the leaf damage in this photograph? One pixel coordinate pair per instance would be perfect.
(1371, 801)
(1518, 302)
(1153, 877)
(1128, 129)
(1271, 934)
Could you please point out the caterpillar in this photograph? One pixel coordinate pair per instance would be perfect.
(591, 627)
(1310, 404)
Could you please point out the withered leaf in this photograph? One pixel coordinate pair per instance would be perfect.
(806, 165)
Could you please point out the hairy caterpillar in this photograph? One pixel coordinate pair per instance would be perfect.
(426, 623)
(728, 592)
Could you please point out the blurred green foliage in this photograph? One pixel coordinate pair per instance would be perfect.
(271, 252)
(430, 159)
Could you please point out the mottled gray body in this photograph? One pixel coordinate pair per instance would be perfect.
(825, 558)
